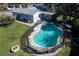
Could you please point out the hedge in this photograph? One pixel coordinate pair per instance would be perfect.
(5, 20)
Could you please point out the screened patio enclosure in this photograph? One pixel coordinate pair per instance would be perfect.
(45, 16)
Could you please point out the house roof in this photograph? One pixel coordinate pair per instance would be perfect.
(47, 13)
(29, 11)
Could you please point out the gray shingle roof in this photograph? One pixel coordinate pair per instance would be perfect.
(29, 11)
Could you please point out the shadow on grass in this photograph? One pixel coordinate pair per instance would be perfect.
(24, 43)
(5, 25)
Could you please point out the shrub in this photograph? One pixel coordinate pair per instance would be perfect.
(5, 20)
(76, 25)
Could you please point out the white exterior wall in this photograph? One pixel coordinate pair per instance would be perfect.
(36, 17)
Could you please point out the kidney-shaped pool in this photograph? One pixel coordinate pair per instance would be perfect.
(47, 36)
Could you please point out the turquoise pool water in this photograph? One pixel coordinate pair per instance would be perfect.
(47, 36)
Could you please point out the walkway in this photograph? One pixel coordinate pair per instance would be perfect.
(24, 23)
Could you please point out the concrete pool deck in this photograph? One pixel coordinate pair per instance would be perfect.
(36, 46)
(49, 54)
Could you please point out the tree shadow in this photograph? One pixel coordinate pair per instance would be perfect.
(24, 43)
(24, 40)
(5, 25)
(75, 43)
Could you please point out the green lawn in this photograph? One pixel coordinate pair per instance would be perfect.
(64, 52)
(10, 36)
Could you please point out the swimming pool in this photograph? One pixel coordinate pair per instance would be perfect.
(47, 36)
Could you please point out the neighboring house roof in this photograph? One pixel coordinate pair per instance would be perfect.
(42, 8)
(38, 4)
(29, 11)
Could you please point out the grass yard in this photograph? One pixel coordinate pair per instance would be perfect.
(64, 52)
(10, 36)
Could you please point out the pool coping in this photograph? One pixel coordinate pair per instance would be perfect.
(36, 30)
